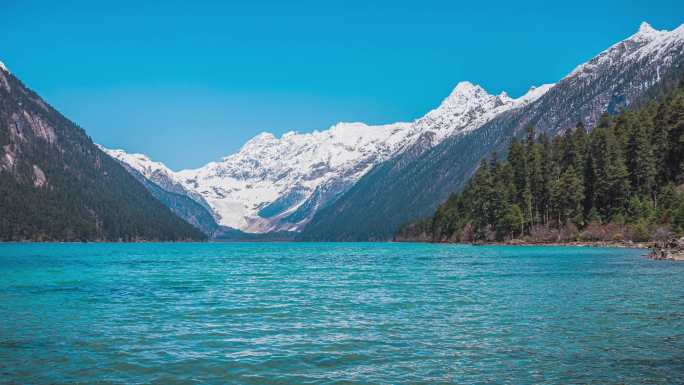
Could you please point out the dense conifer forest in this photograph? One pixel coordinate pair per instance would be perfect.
(623, 181)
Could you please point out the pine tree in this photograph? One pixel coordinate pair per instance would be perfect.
(549, 174)
(661, 146)
(511, 222)
(675, 122)
(611, 187)
(573, 197)
(517, 157)
(640, 159)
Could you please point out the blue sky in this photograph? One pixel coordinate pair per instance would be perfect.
(189, 82)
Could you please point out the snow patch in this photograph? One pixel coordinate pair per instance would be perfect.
(38, 177)
(534, 93)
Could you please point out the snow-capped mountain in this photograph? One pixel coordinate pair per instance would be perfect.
(276, 184)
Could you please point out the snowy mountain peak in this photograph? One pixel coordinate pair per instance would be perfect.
(263, 137)
(465, 99)
(467, 95)
(468, 107)
(3, 67)
(465, 86)
(645, 28)
(465, 91)
(646, 33)
(261, 140)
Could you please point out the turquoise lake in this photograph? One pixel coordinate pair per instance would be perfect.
(298, 313)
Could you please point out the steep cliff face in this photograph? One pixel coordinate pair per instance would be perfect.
(411, 184)
(55, 184)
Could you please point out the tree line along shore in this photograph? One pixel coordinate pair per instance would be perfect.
(622, 183)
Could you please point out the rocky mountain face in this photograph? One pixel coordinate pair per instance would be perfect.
(411, 184)
(278, 184)
(55, 184)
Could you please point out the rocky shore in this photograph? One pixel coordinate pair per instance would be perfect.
(623, 244)
(672, 249)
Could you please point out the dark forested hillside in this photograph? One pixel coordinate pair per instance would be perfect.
(55, 184)
(622, 181)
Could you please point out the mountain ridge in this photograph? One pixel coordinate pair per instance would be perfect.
(411, 185)
(278, 184)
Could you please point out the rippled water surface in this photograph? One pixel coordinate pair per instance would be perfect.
(337, 313)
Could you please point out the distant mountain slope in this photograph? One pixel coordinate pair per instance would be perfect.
(178, 202)
(412, 184)
(155, 172)
(55, 184)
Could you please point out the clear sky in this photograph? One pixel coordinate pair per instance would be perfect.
(187, 82)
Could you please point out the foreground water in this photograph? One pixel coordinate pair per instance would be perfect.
(337, 313)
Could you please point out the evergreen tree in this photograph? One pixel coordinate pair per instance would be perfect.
(611, 187)
(568, 197)
(640, 159)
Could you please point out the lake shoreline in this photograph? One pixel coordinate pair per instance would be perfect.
(616, 244)
(654, 251)
(631, 245)
(628, 245)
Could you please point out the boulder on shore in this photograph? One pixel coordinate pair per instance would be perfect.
(672, 249)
